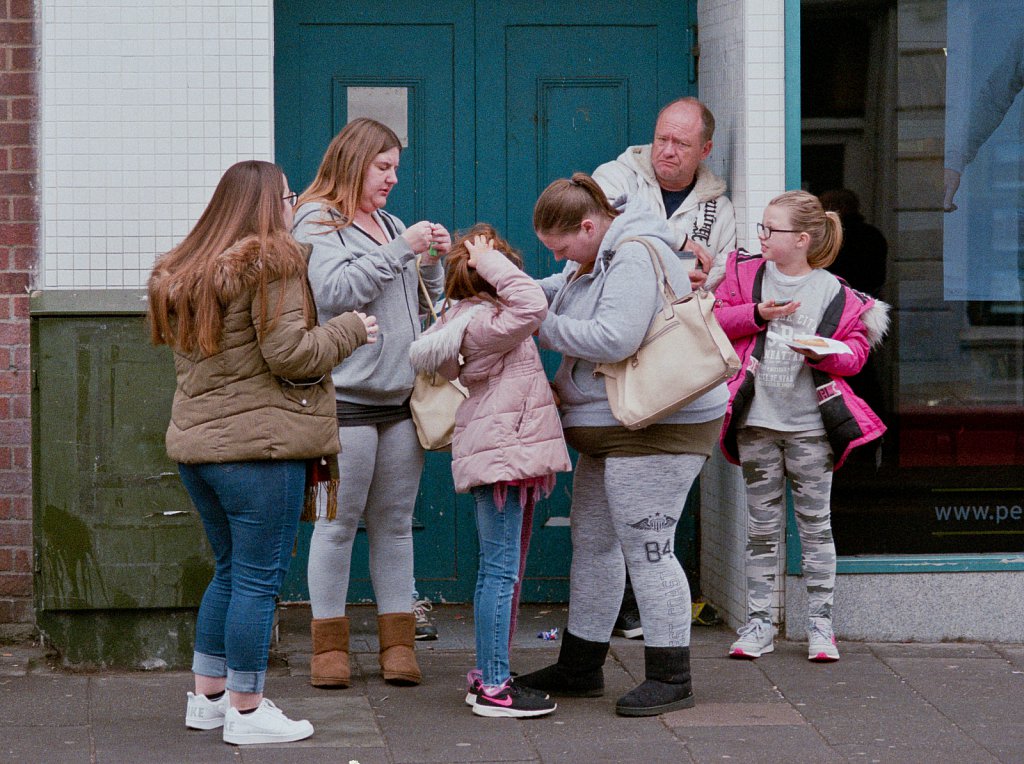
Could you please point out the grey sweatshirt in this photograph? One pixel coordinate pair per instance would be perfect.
(350, 271)
(602, 317)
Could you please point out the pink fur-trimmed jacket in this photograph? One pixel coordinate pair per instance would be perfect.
(508, 429)
(852, 317)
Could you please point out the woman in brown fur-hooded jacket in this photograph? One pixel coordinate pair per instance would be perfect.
(253, 414)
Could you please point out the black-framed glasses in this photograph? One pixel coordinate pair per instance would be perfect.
(765, 232)
(291, 198)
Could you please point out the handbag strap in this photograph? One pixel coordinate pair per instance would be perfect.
(667, 292)
(425, 292)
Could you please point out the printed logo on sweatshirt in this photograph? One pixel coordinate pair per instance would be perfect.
(656, 522)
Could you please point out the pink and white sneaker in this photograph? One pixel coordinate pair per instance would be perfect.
(511, 700)
(821, 641)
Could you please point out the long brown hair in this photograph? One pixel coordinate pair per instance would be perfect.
(824, 228)
(461, 281)
(339, 181)
(566, 202)
(187, 290)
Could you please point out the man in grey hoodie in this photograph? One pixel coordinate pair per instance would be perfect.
(669, 176)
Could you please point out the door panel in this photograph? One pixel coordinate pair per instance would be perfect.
(501, 98)
(409, 51)
(565, 90)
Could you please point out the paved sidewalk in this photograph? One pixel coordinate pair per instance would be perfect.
(880, 703)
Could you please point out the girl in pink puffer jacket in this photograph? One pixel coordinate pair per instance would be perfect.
(508, 442)
(791, 412)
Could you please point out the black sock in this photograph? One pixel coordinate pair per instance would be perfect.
(215, 696)
(248, 710)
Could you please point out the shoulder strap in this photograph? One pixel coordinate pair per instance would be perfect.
(659, 265)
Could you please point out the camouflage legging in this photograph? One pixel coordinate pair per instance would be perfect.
(768, 458)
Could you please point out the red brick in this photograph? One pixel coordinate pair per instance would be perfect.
(6, 559)
(15, 482)
(22, 458)
(11, 382)
(17, 183)
(16, 33)
(5, 407)
(15, 282)
(20, 307)
(5, 110)
(25, 259)
(22, 9)
(20, 357)
(15, 533)
(16, 234)
(24, 109)
(16, 610)
(21, 406)
(14, 431)
(6, 460)
(25, 208)
(21, 508)
(25, 59)
(23, 158)
(16, 584)
(6, 208)
(15, 134)
(18, 83)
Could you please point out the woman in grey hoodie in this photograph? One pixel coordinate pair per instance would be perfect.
(363, 256)
(630, 485)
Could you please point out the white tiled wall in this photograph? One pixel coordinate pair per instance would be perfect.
(742, 82)
(144, 104)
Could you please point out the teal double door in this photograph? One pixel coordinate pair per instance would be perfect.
(495, 99)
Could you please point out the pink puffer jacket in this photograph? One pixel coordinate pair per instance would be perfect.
(852, 317)
(508, 429)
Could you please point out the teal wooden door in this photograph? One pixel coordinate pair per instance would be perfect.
(497, 99)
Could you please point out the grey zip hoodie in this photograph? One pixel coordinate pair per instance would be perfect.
(350, 271)
(602, 317)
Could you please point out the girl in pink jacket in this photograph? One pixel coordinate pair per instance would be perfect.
(508, 441)
(791, 412)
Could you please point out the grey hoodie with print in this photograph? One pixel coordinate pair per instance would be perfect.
(602, 317)
(350, 271)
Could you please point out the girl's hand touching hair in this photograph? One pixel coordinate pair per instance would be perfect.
(372, 329)
(480, 243)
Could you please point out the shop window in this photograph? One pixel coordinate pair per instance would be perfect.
(949, 381)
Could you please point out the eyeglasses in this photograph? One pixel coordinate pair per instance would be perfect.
(291, 198)
(765, 232)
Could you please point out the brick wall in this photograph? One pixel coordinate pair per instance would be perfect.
(19, 253)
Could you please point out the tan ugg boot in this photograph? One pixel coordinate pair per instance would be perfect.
(397, 633)
(330, 666)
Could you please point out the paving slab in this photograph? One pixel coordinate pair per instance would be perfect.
(772, 744)
(67, 745)
(734, 715)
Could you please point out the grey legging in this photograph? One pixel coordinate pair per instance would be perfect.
(624, 513)
(380, 469)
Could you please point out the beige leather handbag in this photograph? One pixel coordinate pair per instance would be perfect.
(684, 355)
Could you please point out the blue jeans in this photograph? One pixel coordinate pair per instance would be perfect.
(250, 511)
(498, 532)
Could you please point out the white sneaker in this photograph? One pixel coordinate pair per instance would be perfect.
(755, 640)
(267, 724)
(201, 713)
(821, 641)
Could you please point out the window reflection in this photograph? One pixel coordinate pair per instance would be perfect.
(949, 476)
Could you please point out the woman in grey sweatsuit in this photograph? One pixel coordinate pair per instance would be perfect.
(365, 259)
(630, 486)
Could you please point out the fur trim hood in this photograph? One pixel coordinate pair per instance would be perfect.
(237, 269)
(440, 344)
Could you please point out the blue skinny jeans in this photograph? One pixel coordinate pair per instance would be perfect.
(250, 511)
(499, 534)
